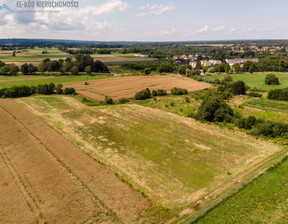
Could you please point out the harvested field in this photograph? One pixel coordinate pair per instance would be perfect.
(175, 160)
(128, 86)
(45, 178)
(113, 59)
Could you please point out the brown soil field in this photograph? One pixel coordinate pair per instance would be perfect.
(46, 179)
(128, 86)
(112, 58)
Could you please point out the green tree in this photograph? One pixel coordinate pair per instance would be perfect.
(252, 68)
(88, 70)
(5, 70)
(31, 69)
(24, 69)
(237, 68)
(147, 71)
(14, 69)
(75, 70)
(214, 109)
(205, 69)
(238, 88)
(271, 79)
(198, 65)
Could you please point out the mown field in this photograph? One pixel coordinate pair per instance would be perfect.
(256, 80)
(174, 160)
(33, 56)
(33, 80)
(263, 201)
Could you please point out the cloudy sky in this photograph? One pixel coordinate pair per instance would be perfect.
(147, 20)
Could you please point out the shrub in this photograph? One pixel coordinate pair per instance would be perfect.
(238, 88)
(216, 81)
(179, 91)
(43, 89)
(147, 71)
(142, 95)
(271, 79)
(278, 94)
(214, 109)
(69, 91)
(59, 89)
(123, 100)
(247, 123)
(159, 92)
(108, 100)
(16, 91)
(254, 94)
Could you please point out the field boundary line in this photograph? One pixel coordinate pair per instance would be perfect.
(27, 195)
(77, 179)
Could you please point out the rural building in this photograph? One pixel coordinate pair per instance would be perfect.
(240, 60)
(193, 64)
(205, 63)
(215, 62)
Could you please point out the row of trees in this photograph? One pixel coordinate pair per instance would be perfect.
(146, 93)
(44, 89)
(82, 63)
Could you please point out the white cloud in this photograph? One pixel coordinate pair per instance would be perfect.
(203, 29)
(155, 10)
(109, 7)
(218, 28)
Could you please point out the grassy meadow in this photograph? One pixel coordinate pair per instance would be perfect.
(33, 80)
(274, 110)
(263, 201)
(174, 160)
(256, 80)
(33, 56)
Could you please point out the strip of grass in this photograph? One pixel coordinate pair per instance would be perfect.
(273, 110)
(256, 80)
(7, 81)
(263, 201)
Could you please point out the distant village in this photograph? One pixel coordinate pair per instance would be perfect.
(192, 60)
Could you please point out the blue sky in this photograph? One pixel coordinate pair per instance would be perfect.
(146, 20)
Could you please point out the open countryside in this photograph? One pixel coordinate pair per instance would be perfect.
(173, 140)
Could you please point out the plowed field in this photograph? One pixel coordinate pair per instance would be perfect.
(45, 178)
(128, 86)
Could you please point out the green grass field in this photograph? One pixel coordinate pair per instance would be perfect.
(263, 201)
(33, 56)
(273, 110)
(30, 80)
(174, 160)
(256, 80)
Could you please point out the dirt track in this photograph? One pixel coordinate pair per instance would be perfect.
(45, 178)
(128, 86)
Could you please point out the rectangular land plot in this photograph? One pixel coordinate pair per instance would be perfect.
(57, 180)
(175, 160)
(128, 86)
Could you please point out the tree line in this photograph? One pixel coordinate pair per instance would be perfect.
(43, 89)
(81, 63)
